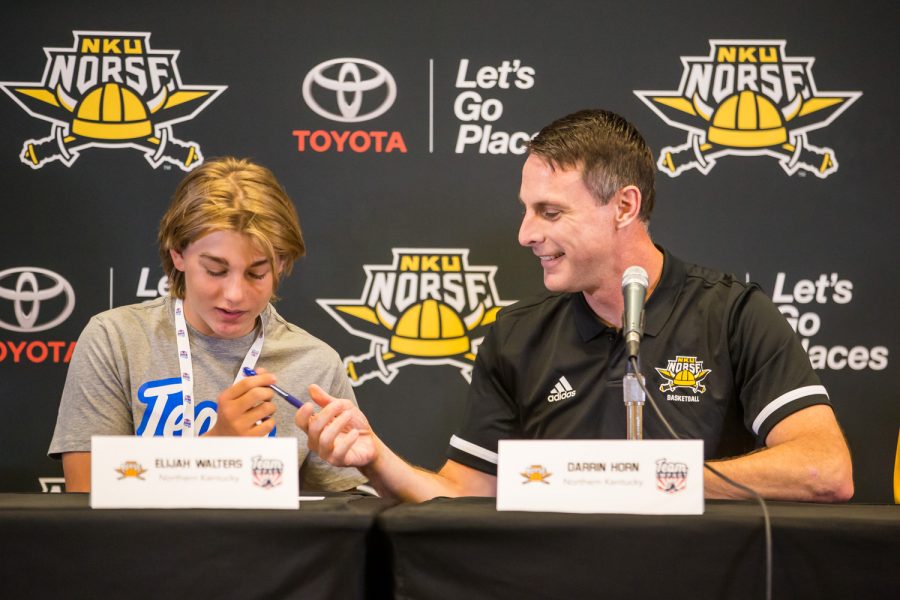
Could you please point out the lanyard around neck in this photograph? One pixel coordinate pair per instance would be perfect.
(187, 368)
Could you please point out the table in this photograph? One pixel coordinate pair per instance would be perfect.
(55, 545)
(464, 548)
(348, 546)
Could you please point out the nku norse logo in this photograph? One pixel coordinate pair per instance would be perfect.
(430, 307)
(684, 372)
(536, 473)
(747, 99)
(110, 90)
(131, 469)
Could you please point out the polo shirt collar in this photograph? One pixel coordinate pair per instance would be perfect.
(587, 323)
(662, 302)
(657, 310)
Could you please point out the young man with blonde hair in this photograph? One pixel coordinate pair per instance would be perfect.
(172, 366)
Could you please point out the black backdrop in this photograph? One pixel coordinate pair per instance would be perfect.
(415, 179)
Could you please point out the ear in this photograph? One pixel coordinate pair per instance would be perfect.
(177, 259)
(628, 206)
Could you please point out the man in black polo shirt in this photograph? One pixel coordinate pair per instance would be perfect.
(724, 363)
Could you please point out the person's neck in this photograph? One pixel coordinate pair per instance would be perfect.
(607, 301)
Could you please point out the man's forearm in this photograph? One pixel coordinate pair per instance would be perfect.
(393, 477)
(794, 470)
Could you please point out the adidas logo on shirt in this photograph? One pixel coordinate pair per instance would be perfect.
(561, 391)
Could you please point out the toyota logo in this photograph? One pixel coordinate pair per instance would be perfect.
(349, 79)
(27, 296)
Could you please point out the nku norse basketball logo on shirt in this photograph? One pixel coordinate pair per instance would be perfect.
(685, 373)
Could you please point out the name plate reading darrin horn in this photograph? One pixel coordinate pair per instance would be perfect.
(657, 477)
(171, 472)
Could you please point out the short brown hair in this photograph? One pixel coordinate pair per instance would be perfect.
(231, 194)
(608, 149)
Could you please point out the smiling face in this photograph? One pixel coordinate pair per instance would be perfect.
(228, 283)
(567, 228)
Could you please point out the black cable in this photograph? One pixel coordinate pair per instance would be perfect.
(765, 510)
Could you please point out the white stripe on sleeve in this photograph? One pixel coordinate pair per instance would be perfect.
(470, 448)
(810, 390)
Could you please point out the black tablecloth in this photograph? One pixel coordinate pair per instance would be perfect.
(464, 548)
(54, 545)
(347, 546)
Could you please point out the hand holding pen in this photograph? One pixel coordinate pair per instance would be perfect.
(245, 408)
(290, 398)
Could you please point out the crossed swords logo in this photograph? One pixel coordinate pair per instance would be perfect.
(427, 328)
(785, 138)
(386, 355)
(64, 109)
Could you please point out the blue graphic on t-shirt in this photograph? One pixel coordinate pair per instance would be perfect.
(165, 410)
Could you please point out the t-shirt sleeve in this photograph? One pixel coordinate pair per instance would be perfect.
(772, 370)
(94, 399)
(490, 413)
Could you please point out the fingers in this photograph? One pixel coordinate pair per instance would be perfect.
(343, 444)
(306, 412)
(260, 412)
(245, 408)
(255, 421)
(322, 427)
(233, 407)
(262, 428)
(336, 438)
(261, 380)
(314, 422)
(320, 396)
(332, 430)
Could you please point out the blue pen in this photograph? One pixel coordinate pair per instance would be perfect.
(292, 399)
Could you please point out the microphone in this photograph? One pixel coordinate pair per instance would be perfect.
(634, 288)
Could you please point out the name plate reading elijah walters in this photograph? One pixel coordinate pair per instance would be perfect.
(171, 472)
(651, 477)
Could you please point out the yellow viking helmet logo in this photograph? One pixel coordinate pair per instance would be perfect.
(747, 120)
(536, 474)
(111, 90)
(111, 112)
(430, 307)
(131, 469)
(684, 372)
(685, 378)
(430, 328)
(748, 98)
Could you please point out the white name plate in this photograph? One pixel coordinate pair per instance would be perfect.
(651, 477)
(171, 472)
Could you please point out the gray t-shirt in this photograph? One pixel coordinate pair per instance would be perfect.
(124, 379)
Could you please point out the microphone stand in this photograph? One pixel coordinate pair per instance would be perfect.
(634, 401)
(634, 290)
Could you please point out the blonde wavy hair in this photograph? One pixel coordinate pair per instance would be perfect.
(231, 194)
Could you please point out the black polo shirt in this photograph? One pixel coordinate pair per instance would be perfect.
(719, 358)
